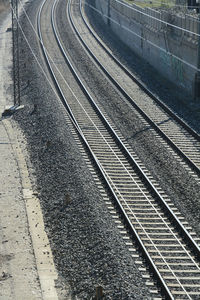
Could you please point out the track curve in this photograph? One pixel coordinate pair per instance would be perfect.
(144, 210)
(180, 136)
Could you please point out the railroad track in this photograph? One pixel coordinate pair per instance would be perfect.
(175, 132)
(169, 248)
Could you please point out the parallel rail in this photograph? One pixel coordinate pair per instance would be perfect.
(144, 210)
(179, 135)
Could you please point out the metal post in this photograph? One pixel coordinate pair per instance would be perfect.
(197, 75)
(15, 36)
(13, 51)
(108, 13)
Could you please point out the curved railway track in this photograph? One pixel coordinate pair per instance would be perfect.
(179, 136)
(169, 248)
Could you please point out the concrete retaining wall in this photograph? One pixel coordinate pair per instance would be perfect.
(171, 51)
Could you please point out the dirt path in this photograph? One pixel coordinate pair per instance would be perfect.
(26, 264)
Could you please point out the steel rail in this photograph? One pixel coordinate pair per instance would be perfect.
(122, 146)
(134, 233)
(161, 200)
(154, 270)
(140, 84)
(148, 92)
